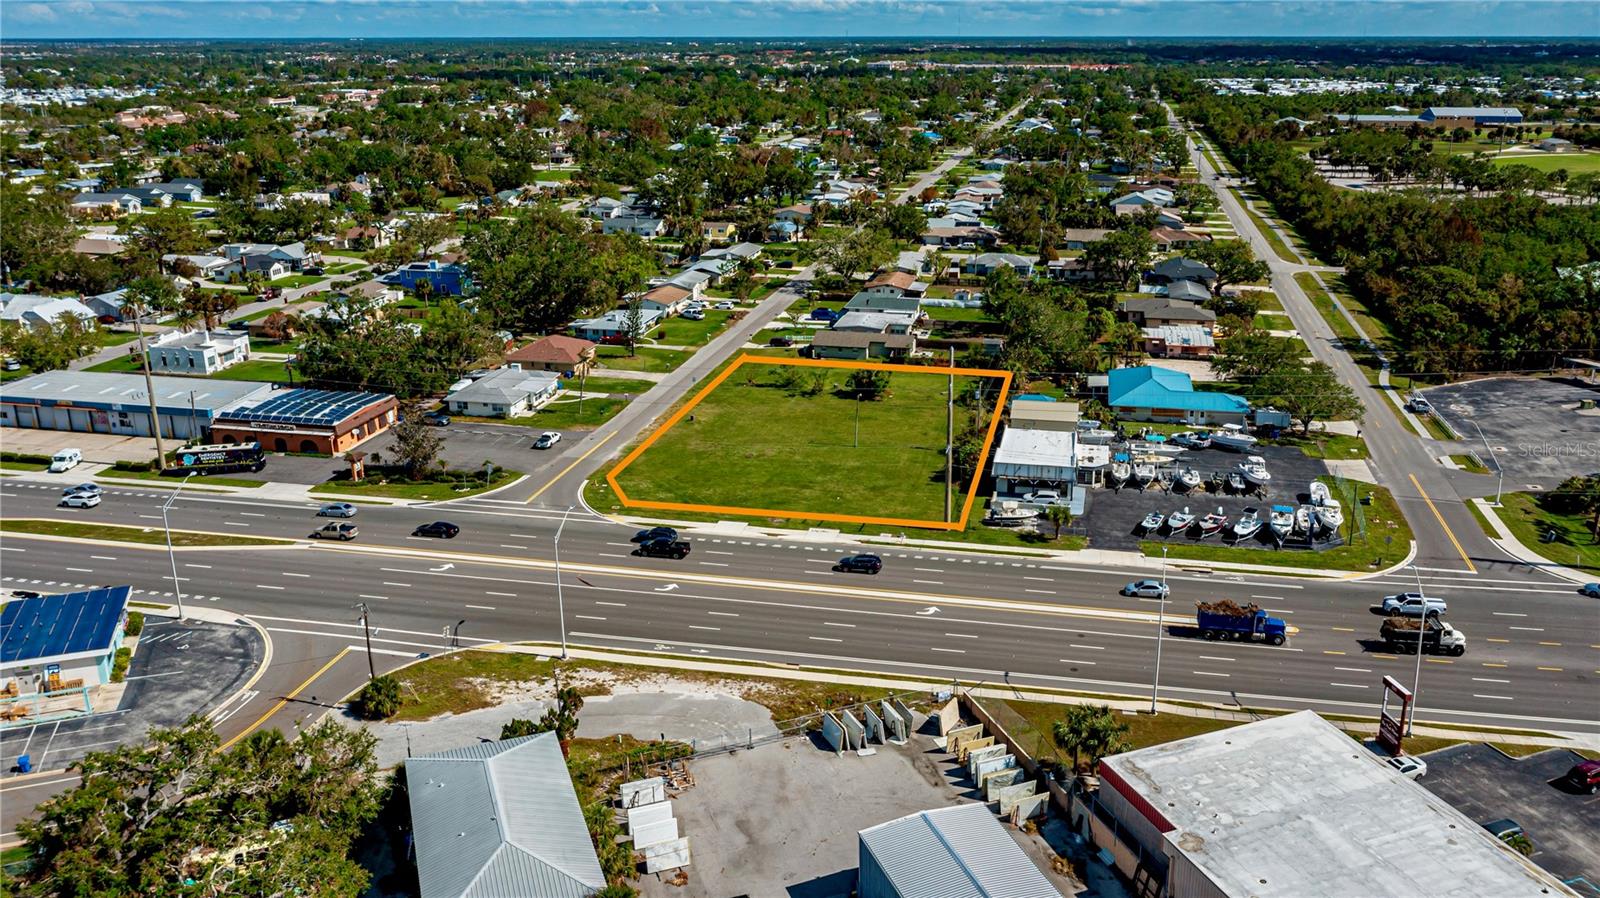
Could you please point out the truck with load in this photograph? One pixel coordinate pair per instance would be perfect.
(1226, 620)
(1401, 634)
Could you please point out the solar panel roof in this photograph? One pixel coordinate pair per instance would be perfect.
(303, 406)
(66, 624)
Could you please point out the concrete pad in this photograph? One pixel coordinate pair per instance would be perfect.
(100, 448)
(706, 719)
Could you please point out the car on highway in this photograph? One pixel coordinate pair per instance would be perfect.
(436, 419)
(1408, 767)
(438, 530)
(661, 547)
(1150, 589)
(1592, 590)
(79, 500)
(644, 536)
(547, 439)
(65, 460)
(1411, 604)
(337, 510)
(860, 564)
(1584, 777)
(82, 489)
(335, 530)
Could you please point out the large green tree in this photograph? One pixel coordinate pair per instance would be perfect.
(1232, 260)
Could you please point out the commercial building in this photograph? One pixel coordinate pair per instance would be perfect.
(1148, 393)
(49, 642)
(94, 402)
(1468, 116)
(500, 819)
(960, 851)
(1027, 460)
(301, 420)
(504, 393)
(1288, 807)
(198, 352)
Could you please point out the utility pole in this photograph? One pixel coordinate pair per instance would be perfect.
(1422, 633)
(177, 585)
(1500, 486)
(583, 379)
(372, 673)
(1161, 630)
(194, 429)
(950, 438)
(561, 606)
(149, 386)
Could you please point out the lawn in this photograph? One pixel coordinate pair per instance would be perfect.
(253, 316)
(118, 533)
(561, 415)
(684, 332)
(432, 491)
(1386, 542)
(254, 369)
(607, 385)
(122, 364)
(955, 313)
(1574, 163)
(1326, 445)
(200, 480)
(652, 360)
(772, 447)
(114, 338)
(1575, 544)
(1144, 730)
(1469, 463)
(289, 282)
(261, 344)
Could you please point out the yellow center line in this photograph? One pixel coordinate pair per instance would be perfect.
(1438, 661)
(286, 699)
(575, 463)
(1551, 669)
(1492, 664)
(1447, 532)
(1326, 652)
(1386, 657)
(1549, 643)
(1344, 629)
(1492, 639)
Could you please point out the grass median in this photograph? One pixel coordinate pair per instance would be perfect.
(1575, 544)
(122, 534)
(426, 490)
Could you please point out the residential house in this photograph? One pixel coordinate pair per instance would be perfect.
(1179, 268)
(446, 280)
(1174, 240)
(202, 266)
(38, 311)
(202, 352)
(1082, 238)
(1129, 203)
(504, 393)
(985, 263)
(859, 346)
(1029, 125)
(315, 197)
(99, 246)
(961, 236)
(638, 225)
(785, 232)
(106, 204)
(1073, 271)
(1179, 341)
(375, 292)
(613, 326)
(876, 321)
(557, 352)
(81, 185)
(186, 190)
(1189, 291)
(1162, 311)
(667, 299)
(605, 207)
(363, 237)
(292, 255)
(511, 198)
(739, 252)
(719, 231)
(151, 197)
(895, 283)
(883, 302)
(107, 305)
(913, 262)
(1149, 393)
(970, 208)
(695, 280)
(267, 202)
(955, 220)
(799, 213)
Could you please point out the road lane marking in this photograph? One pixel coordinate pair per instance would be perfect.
(1552, 669)
(929, 582)
(824, 639)
(481, 607)
(264, 586)
(949, 651)
(251, 514)
(285, 700)
(1442, 661)
(1350, 685)
(829, 623)
(1504, 698)
(963, 635)
(1493, 639)
(722, 613)
(1509, 614)
(1096, 648)
(1328, 652)
(698, 627)
(204, 566)
(1492, 664)
(509, 546)
(1488, 680)
(1447, 531)
(715, 552)
(1541, 643)
(1076, 661)
(81, 570)
(577, 461)
(1344, 629)
(234, 524)
(1207, 673)
(1040, 579)
(1041, 592)
(587, 617)
(614, 604)
(712, 563)
(401, 585)
(103, 557)
(1271, 598)
(365, 596)
(294, 574)
(1528, 629)
(503, 595)
(1216, 658)
(1354, 669)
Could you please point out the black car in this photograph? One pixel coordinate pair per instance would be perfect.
(313, 270)
(781, 341)
(644, 536)
(661, 547)
(860, 564)
(440, 529)
(436, 419)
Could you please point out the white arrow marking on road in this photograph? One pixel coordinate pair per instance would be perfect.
(931, 609)
(668, 588)
(447, 566)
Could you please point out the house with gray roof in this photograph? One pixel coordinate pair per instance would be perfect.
(499, 819)
(960, 851)
(504, 393)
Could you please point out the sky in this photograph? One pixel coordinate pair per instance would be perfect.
(864, 19)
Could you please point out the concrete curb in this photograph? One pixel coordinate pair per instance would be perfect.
(437, 503)
(1509, 544)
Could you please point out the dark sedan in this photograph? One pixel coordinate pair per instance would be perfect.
(663, 548)
(644, 536)
(438, 529)
(860, 564)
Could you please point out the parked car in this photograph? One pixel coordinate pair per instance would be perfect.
(77, 500)
(1585, 777)
(1592, 590)
(860, 564)
(547, 439)
(1150, 589)
(661, 547)
(1042, 497)
(727, 305)
(437, 529)
(1409, 767)
(644, 536)
(781, 341)
(65, 460)
(694, 314)
(21, 594)
(823, 315)
(1505, 829)
(313, 270)
(614, 340)
(11, 365)
(82, 489)
(1412, 604)
(335, 530)
(436, 419)
(337, 510)
(1419, 405)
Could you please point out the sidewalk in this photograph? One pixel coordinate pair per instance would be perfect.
(1508, 543)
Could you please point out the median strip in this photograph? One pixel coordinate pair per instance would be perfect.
(79, 532)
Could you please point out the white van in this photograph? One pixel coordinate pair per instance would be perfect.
(65, 460)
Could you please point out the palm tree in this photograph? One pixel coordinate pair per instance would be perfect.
(1059, 516)
(1094, 730)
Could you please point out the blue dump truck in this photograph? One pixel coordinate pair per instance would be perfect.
(1227, 620)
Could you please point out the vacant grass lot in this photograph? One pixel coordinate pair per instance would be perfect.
(752, 443)
(1575, 544)
(684, 332)
(117, 533)
(593, 385)
(654, 360)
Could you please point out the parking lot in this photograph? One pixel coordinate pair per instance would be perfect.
(1535, 427)
(1486, 784)
(178, 670)
(1113, 517)
(466, 445)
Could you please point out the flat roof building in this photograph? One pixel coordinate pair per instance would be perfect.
(329, 422)
(95, 402)
(955, 852)
(1288, 807)
(201, 352)
(49, 641)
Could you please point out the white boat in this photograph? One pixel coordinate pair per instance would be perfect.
(1144, 472)
(1319, 493)
(1255, 470)
(1248, 525)
(1007, 513)
(1232, 436)
(1304, 520)
(1235, 482)
(1152, 522)
(1281, 521)
(1179, 521)
(1189, 478)
(1331, 514)
(1212, 523)
(1121, 471)
(1092, 432)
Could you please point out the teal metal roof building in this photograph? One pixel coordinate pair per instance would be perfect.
(1148, 393)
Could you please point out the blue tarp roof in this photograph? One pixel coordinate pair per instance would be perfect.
(1151, 387)
(66, 624)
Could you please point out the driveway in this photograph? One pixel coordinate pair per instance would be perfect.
(98, 448)
(1536, 428)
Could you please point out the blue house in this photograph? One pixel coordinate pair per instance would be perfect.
(50, 641)
(1149, 393)
(447, 280)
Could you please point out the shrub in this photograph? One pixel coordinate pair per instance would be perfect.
(380, 699)
(119, 666)
(25, 458)
(135, 623)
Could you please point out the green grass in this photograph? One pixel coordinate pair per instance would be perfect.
(253, 316)
(122, 364)
(774, 449)
(1470, 463)
(33, 467)
(952, 313)
(119, 474)
(561, 415)
(1273, 240)
(607, 385)
(1574, 163)
(429, 490)
(114, 338)
(1483, 522)
(262, 344)
(1436, 428)
(118, 533)
(653, 360)
(1363, 553)
(254, 369)
(1327, 445)
(683, 332)
(1575, 545)
(290, 282)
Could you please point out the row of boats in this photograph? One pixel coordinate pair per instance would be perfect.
(1142, 470)
(1322, 513)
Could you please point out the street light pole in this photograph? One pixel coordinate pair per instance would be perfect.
(149, 386)
(372, 672)
(1500, 485)
(561, 606)
(177, 586)
(1161, 629)
(1422, 632)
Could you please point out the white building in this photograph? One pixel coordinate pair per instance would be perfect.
(504, 393)
(35, 310)
(1030, 460)
(201, 352)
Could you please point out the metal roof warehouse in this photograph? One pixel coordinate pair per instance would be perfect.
(71, 636)
(305, 420)
(955, 852)
(93, 402)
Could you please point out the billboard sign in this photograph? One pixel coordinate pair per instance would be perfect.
(1392, 721)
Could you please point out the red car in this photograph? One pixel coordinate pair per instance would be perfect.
(1585, 777)
(614, 340)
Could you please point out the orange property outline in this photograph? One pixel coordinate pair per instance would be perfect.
(972, 489)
